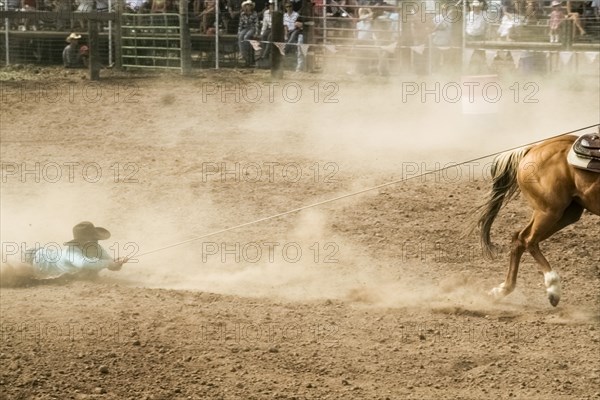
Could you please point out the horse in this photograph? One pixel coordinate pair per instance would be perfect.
(557, 193)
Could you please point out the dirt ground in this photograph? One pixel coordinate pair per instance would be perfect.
(378, 295)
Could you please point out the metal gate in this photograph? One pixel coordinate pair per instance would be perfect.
(151, 41)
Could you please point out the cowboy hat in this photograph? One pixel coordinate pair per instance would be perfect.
(365, 13)
(86, 232)
(73, 36)
(247, 2)
(555, 3)
(475, 3)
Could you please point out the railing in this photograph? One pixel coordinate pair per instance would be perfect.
(151, 41)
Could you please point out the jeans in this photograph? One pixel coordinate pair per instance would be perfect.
(245, 48)
(266, 37)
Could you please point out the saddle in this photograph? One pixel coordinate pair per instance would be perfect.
(588, 146)
(585, 153)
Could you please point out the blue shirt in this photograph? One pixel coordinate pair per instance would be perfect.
(54, 261)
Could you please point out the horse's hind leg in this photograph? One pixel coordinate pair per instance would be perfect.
(543, 226)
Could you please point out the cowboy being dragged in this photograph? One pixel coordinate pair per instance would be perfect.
(81, 257)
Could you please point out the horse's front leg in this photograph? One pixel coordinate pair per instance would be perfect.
(516, 251)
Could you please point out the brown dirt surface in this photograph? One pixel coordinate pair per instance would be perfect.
(379, 295)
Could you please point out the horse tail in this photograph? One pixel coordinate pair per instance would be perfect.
(504, 188)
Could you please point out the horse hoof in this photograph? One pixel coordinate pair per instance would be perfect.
(552, 281)
(497, 293)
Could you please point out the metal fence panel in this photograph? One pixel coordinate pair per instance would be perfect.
(151, 41)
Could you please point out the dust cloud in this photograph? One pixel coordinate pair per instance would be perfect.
(368, 132)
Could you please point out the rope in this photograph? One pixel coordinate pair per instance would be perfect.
(331, 200)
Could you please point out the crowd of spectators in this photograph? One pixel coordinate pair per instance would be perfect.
(357, 23)
(485, 19)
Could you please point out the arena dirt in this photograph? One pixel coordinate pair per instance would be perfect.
(374, 296)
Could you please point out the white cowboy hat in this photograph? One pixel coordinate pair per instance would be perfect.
(247, 2)
(555, 3)
(476, 3)
(365, 13)
(73, 36)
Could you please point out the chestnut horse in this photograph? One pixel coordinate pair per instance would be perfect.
(556, 191)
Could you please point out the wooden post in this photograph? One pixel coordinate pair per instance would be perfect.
(277, 30)
(185, 39)
(94, 46)
(117, 35)
(309, 35)
(566, 34)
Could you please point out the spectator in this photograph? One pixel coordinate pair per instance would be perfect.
(293, 26)
(232, 18)
(72, 57)
(63, 14)
(247, 29)
(160, 6)
(532, 12)
(442, 35)
(265, 30)
(574, 14)
(296, 5)
(510, 21)
(475, 29)
(442, 27)
(208, 17)
(476, 25)
(82, 256)
(260, 6)
(30, 5)
(364, 37)
(13, 5)
(290, 34)
(364, 26)
(298, 33)
(85, 6)
(134, 5)
(289, 23)
(556, 18)
(102, 5)
(386, 32)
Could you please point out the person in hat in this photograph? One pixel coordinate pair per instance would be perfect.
(81, 256)
(71, 55)
(556, 18)
(247, 29)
